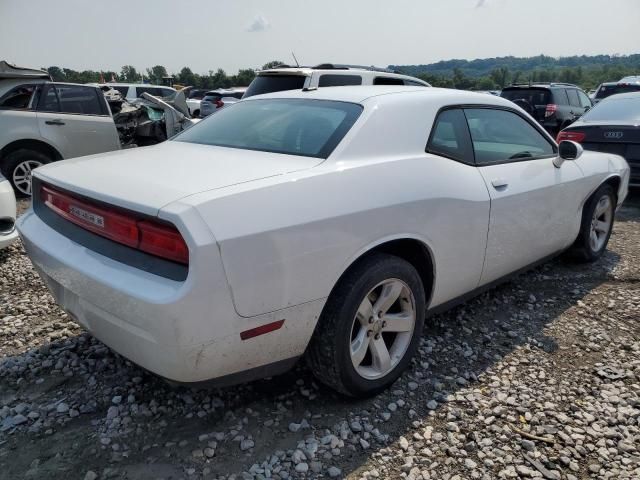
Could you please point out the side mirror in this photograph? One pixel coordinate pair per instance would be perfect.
(567, 150)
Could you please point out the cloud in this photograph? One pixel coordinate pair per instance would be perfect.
(259, 24)
(481, 3)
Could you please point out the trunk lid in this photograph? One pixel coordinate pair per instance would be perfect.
(146, 179)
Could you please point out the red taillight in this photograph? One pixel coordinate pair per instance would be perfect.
(573, 136)
(162, 241)
(148, 236)
(219, 103)
(550, 109)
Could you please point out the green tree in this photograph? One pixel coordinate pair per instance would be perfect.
(186, 77)
(500, 76)
(272, 64)
(129, 74)
(57, 74)
(156, 73)
(244, 77)
(220, 79)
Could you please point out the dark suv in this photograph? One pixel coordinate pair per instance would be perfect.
(554, 105)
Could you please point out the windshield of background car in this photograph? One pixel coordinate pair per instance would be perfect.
(310, 128)
(615, 109)
(535, 96)
(608, 90)
(274, 83)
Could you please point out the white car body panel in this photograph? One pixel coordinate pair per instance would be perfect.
(7, 212)
(269, 235)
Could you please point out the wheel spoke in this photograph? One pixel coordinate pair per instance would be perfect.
(601, 226)
(380, 355)
(365, 311)
(398, 322)
(359, 347)
(390, 293)
(594, 240)
(603, 206)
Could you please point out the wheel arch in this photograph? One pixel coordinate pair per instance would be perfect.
(32, 144)
(408, 247)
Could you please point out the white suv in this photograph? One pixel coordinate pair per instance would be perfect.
(325, 75)
(43, 121)
(132, 91)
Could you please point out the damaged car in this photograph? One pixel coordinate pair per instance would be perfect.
(42, 121)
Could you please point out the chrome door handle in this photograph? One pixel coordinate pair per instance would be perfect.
(499, 183)
(54, 122)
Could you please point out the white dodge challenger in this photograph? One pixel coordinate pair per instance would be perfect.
(323, 223)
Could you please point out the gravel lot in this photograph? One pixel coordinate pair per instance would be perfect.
(539, 378)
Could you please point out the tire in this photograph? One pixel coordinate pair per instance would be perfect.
(599, 208)
(340, 327)
(196, 114)
(17, 167)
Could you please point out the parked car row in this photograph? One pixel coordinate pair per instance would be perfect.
(43, 121)
(612, 126)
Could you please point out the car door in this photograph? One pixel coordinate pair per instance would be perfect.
(533, 203)
(574, 101)
(76, 121)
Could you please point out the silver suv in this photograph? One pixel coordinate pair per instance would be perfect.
(43, 121)
(325, 75)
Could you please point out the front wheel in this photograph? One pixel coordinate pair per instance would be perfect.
(596, 226)
(370, 326)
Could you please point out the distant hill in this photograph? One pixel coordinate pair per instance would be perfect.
(484, 66)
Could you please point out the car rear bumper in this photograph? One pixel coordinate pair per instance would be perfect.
(186, 331)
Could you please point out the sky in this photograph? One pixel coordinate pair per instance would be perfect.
(232, 34)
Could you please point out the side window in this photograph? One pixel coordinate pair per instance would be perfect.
(500, 135)
(450, 137)
(165, 92)
(560, 97)
(584, 100)
(78, 99)
(122, 89)
(19, 98)
(414, 83)
(49, 101)
(573, 97)
(388, 81)
(150, 90)
(329, 80)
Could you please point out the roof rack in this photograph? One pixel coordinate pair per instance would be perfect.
(337, 66)
(551, 84)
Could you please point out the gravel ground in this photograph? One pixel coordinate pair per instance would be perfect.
(539, 378)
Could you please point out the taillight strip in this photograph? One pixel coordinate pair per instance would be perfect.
(149, 236)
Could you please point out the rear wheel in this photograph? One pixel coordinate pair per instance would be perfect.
(596, 226)
(370, 326)
(17, 167)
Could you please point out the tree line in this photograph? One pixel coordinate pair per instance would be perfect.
(129, 74)
(495, 73)
(482, 74)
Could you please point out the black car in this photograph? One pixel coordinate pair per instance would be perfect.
(554, 105)
(613, 88)
(612, 126)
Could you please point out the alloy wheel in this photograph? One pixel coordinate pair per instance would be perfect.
(382, 329)
(22, 175)
(601, 223)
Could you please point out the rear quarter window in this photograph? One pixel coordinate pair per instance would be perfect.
(18, 98)
(329, 80)
(274, 83)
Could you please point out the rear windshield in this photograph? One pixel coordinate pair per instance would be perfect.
(274, 83)
(608, 90)
(615, 109)
(309, 128)
(535, 96)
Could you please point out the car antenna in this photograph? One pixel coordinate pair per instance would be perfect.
(295, 59)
